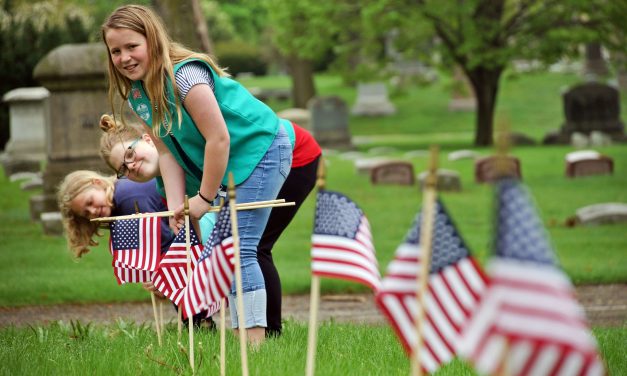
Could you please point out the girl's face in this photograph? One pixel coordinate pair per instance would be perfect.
(91, 203)
(129, 52)
(142, 163)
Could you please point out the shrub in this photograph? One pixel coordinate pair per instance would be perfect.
(240, 57)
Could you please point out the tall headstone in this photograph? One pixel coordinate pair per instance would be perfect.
(372, 100)
(589, 107)
(329, 122)
(75, 76)
(28, 113)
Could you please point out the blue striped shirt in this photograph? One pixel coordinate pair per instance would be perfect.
(192, 74)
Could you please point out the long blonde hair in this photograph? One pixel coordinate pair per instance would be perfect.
(114, 133)
(163, 54)
(79, 230)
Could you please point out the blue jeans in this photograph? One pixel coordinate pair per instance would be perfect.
(263, 184)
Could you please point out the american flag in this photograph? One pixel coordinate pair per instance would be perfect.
(212, 277)
(456, 283)
(341, 241)
(171, 275)
(529, 320)
(135, 247)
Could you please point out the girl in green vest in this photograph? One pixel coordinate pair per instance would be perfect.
(204, 126)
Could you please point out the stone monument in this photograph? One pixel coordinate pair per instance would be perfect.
(372, 100)
(329, 122)
(75, 76)
(589, 107)
(28, 113)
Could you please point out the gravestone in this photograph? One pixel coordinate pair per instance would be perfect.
(329, 122)
(447, 180)
(393, 172)
(74, 74)
(487, 169)
(28, 112)
(587, 163)
(365, 165)
(610, 212)
(299, 116)
(372, 100)
(463, 95)
(463, 154)
(589, 107)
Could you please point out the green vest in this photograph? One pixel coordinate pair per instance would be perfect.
(252, 127)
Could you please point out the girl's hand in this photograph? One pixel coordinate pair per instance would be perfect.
(197, 208)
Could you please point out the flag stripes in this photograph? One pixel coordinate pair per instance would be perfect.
(342, 242)
(528, 322)
(135, 249)
(455, 284)
(171, 276)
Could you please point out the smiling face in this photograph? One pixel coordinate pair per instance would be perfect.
(145, 164)
(128, 50)
(91, 203)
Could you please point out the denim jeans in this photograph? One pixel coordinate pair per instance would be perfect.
(263, 184)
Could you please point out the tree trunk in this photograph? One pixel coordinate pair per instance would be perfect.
(303, 87)
(485, 83)
(200, 24)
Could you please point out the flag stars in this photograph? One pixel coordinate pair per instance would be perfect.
(337, 215)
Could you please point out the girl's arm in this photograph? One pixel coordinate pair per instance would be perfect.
(202, 106)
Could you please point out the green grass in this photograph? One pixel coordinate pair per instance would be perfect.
(37, 269)
(129, 349)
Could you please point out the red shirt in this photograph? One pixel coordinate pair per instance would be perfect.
(306, 148)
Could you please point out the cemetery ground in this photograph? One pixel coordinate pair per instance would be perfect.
(37, 270)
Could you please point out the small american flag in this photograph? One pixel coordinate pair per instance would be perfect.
(341, 241)
(171, 275)
(212, 277)
(455, 285)
(528, 320)
(135, 247)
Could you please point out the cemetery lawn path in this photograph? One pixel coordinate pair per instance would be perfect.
(605, 306)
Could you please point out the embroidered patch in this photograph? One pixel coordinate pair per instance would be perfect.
(142, 111)
(136, 94)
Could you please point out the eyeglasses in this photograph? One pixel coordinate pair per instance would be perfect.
(129, 157)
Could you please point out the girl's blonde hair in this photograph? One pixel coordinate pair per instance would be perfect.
(114, 133)
(163, 54)
(79, 230)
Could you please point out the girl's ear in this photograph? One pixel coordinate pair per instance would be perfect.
(98, 182)
(147, 139)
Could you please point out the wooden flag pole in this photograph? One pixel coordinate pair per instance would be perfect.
(223, 337)
(238, 278)
(314, 300)
(154, 310)
(213, 209)
(426, 241)
(152, 296)
(190, 321)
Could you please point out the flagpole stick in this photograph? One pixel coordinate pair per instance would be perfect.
(238, 278)
(154, 310)
(313, 325)
(222, 337)
(161, 315)
(314, 299)
(190, 321)
(213, 209)
(180, 323)
(426, 240)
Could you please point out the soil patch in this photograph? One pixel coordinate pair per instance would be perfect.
(605, 306)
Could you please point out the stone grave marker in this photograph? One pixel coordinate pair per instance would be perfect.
(393, 172)
(610, 212)
(75, 76)
(372, 100)
(463, 154)
(329, 122)
(299, 116)
(486, 168)
(587, 163)
(28, 113)
(365, 165)
(589, 107)
(447, 180)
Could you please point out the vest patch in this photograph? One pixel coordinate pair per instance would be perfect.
(143, 111)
